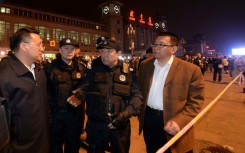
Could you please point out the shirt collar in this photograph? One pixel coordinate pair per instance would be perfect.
(170, 61)
(32, 67)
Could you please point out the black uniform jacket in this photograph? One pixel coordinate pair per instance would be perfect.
(110, 91)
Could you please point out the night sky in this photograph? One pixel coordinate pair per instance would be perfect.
(221, 22)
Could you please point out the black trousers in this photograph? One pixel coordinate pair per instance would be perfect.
(100, 138)
(66, 129)
(153, 132)
(219, 72)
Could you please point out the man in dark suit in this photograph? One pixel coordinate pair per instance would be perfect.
(23, 84)
(173, 93)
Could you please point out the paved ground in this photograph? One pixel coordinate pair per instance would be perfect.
(224, 123)
(222, 128)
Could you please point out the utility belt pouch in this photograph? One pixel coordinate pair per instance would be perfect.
(117, 105)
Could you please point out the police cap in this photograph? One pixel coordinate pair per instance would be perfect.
(68, 41)
(103, 42)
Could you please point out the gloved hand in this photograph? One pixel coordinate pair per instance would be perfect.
(120, 121)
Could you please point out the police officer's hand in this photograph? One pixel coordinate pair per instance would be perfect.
(74, 101)
(119, 122)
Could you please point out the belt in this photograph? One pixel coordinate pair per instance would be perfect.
(155, 111)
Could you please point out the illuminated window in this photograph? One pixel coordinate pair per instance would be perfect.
(58, 34)
(73, 34)
(85, 39)
(20, 25)
(44, 32)
(4, 32)
(4, 10)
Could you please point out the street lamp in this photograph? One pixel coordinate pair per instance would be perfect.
(131, 36)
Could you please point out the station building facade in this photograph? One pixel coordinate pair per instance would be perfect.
(53, 27)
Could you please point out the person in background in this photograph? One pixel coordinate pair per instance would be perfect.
(5, 59)
(64, 75)
(148, 54)
(112, 97)
(225, 62)
(239, 66)
(173, 93)
(210, 64)
(218, 66)
(187, 58)
(231, 66)
(199, 61)
(23, 84)
(134, 64)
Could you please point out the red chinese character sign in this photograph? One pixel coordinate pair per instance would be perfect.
(131, 16)
(150, 22)
(141, 18)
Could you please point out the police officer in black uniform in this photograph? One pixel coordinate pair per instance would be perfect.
(112, 97)
(63, 76)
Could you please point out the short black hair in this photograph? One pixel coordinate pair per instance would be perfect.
(21, 35)
(149, 50)
(174, 37)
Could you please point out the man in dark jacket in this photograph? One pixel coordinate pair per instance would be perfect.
(23, 84)
(217, 63)
(199, 61)
(112, 97)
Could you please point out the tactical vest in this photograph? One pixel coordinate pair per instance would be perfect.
(109, 94)
(65, 80)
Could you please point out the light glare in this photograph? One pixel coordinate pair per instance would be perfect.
(238, 51)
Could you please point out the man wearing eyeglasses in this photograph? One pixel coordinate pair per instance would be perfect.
(112, 97)
(173, 93)
(23, 84)
(63, 75)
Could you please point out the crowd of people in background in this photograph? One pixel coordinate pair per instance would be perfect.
(232, 65)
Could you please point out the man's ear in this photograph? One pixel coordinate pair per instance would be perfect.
(175, 48)
(24, 46)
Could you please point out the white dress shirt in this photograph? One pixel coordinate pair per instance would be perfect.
(31, 69)
(155, 99)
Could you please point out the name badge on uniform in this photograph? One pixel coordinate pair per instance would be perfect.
(122, 77)
(78, 75)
